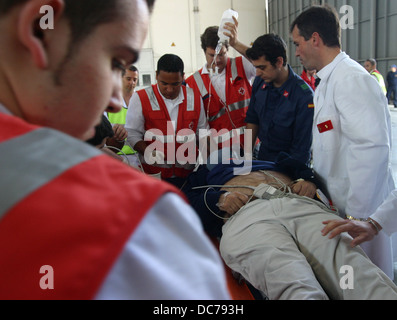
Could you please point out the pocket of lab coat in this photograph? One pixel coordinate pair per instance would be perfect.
(329, 138)
(338, 188)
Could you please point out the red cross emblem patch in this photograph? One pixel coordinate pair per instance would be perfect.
(325, 126)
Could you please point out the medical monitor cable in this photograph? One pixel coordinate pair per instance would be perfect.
(120, 151)
(218, 216)
(284, 192)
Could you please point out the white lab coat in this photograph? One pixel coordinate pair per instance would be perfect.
(352, 155)
(386, 215)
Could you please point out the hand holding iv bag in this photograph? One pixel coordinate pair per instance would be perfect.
(226, 17)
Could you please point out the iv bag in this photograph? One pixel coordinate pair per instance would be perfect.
(226, 17)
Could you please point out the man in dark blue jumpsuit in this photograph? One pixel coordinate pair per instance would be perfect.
(392, 85)
(281, 109)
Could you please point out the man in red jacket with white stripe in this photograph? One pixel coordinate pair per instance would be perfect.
(164, 123)
(225, 86)
(74, 223)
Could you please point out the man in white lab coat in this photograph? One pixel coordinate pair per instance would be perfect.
(351, 129)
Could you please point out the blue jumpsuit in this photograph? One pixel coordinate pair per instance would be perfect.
(284, 116)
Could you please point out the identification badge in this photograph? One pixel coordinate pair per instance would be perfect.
(325, 126)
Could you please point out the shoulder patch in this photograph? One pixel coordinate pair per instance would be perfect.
(305, 86)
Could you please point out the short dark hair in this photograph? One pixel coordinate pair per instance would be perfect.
(321, 19)
(83, 16)
(170, 63)
(210, 38)
(102, 131)
(130, 68)
(372, 61)
(270, 46)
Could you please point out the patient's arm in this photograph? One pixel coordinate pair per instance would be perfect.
(232, 202)
(304, 188)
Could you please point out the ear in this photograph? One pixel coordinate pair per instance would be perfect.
(280, 62)
(316, 39)
(29, 31)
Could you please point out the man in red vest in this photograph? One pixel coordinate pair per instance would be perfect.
(75, 223)
(164, 123)
(225, 86)
(309, 77)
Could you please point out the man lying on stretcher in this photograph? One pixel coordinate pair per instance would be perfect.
(269, 223)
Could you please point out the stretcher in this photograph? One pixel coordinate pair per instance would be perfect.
(238, 288)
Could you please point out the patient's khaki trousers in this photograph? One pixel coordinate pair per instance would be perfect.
(278, 247)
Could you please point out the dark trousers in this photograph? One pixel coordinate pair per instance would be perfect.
(392, 95)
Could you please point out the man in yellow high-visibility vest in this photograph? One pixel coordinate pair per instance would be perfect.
(129, 81)
(370, 66)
